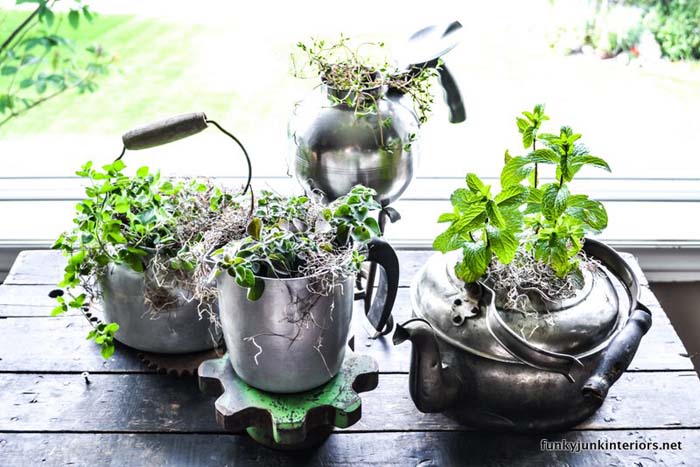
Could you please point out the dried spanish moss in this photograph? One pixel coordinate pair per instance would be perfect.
(526, 279)
(199, 230)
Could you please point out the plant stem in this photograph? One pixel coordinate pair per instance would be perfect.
(17, 30)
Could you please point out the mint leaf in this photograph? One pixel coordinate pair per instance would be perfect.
(554, 199)
(449, 240)
(476, 257)
(463, 199)
(511, 196)
(515, 171)
(474, 217)
(448, 217)
(494, 214)
(503, 243)
(476, 185)
(543, 156)
(577, 161)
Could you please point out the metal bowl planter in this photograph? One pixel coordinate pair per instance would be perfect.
(292, 339)
(178, 328)
(504, 370)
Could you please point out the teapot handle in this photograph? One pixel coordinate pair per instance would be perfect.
(379, 310)
(618, 355)
(453, 98)
(520, 348)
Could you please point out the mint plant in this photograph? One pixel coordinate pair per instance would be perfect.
(300, 237)
(546, 223)
(159, 227)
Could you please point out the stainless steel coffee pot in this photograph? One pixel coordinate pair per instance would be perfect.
(506, 370)
(334, 149)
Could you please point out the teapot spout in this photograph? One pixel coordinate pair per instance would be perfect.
(433, 388)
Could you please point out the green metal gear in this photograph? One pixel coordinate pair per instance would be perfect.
(289, 421)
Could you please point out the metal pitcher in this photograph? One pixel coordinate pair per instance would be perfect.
(292, 339)
(334, 149)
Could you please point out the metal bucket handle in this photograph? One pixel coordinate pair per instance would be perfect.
(620, 350)
(173, 129)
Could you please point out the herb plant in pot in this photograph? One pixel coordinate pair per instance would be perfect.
(522, 323)
(138, 248)
(362, 126)
(286, 290)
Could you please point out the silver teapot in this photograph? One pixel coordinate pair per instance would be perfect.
(334, 149)
(497, 369)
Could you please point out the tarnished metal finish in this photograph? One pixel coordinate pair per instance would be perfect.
(578, 326)
(290, 339)
(177, 329)
(333, 148)
(289, 421)
(497, 369)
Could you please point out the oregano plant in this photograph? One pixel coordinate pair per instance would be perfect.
(538, 223)
(160, 227)
(299, 236)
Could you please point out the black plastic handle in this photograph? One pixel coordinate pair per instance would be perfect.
(165, 131)
(379, 312)
(453, 98)
(618, 355)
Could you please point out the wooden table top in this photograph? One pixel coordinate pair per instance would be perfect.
(130, 415)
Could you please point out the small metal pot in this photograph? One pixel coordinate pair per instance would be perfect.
(292, 339)
(174, 330)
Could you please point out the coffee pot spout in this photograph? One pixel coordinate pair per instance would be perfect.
(433, 388)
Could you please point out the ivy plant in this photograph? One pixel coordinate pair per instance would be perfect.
(546, 220)
(298, 236)
(132, 221)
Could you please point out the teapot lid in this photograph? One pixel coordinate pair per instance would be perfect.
(573, 328)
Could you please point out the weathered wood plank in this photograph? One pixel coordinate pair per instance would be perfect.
(157, 403)
(380, 449)
(27, 295)
(36, 267)
(58, 344)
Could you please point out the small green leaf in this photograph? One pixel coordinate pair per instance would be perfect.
(448, 217)
(142, 172)
(74, 19)
(8, 70)
(449, 240)
(543, 156)
(256, 291)
(476, 257)
(254, 228)
(107, 350)
(503, 243)
(554, 199)
(515, 171)
(511, 196)
(494, 214)
(475, 184)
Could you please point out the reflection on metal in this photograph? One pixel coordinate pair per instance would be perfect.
(509, 370)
